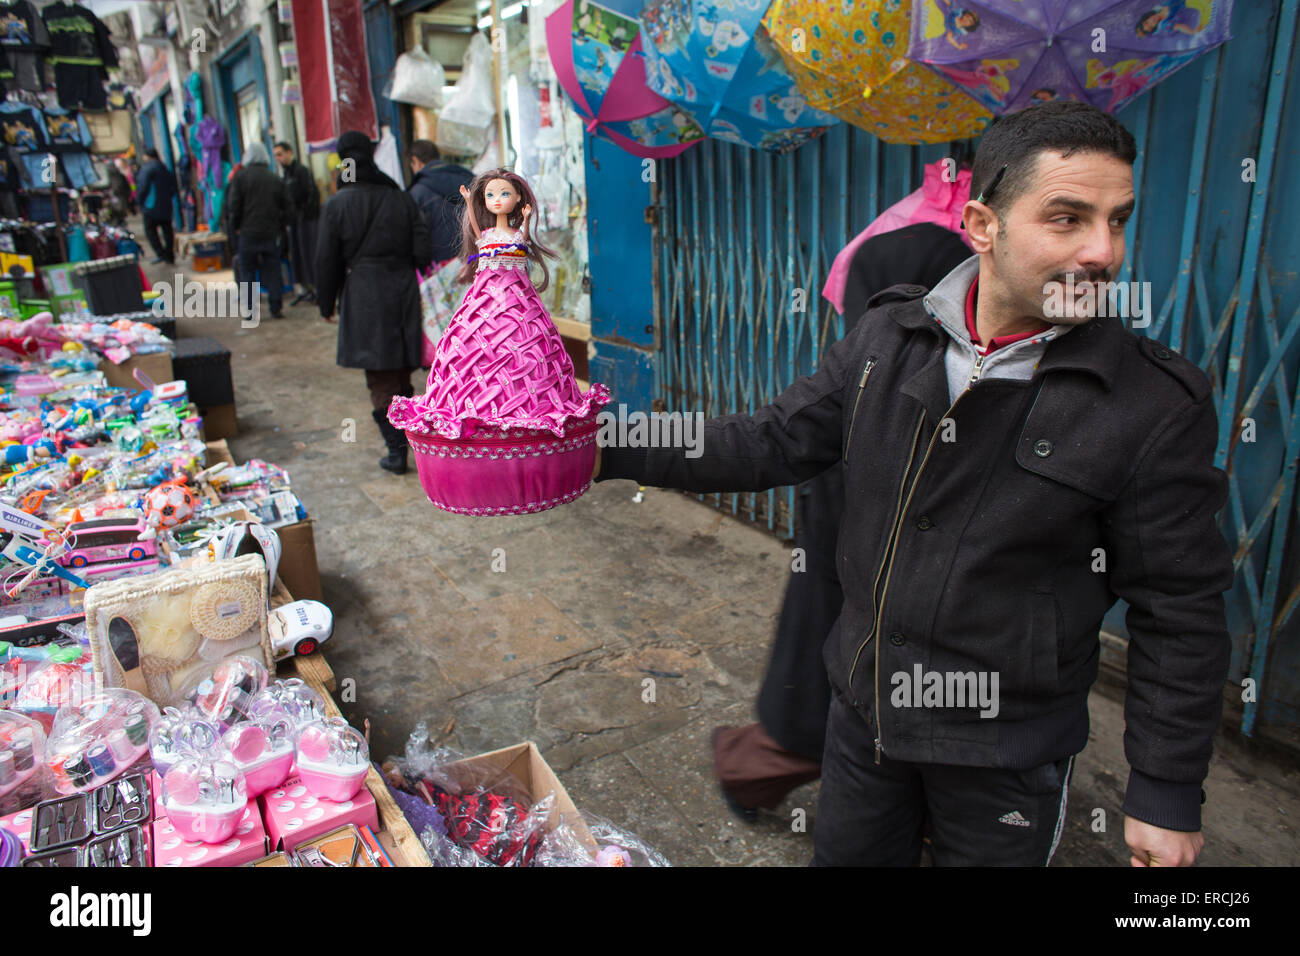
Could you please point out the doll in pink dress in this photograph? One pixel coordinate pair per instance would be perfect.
(500, 372)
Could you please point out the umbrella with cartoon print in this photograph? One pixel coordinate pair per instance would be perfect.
(596, 52)
(849, 59)
(1008, 54)
(720, 66)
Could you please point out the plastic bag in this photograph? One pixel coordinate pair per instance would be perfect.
(485, 815)
(466, 121)
(22, 768)
(418, 80)
(613, 846)
(435, 313)
(95, 741)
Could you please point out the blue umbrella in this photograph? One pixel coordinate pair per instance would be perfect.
(720, 66)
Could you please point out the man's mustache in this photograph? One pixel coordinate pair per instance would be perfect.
(1099, 275)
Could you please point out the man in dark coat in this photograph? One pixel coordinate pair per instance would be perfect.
(258, 212)
(156, 187)
(1015, 462)
(372, 239)
(436, 190)
(304, 212)
(757, 765)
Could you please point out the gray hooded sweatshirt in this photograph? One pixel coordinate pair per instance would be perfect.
(966, 364)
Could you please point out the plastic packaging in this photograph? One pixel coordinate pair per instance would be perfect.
(95, 741)
(204, 798)
(302, 703)
(179, 734)
(262, 746)
(418, 79)
(224, 694)
(332, 759)
(23, 777)
(465, 122)
(610, 846)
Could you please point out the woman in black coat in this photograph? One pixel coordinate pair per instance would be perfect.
(372, 239)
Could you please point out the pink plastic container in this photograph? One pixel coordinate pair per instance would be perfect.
(329, 783)
(505, 472)
(204, 826)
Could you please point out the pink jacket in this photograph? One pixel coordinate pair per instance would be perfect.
(936, 201)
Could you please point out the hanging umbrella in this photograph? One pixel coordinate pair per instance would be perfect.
(848, 59)
(596, 51)
(725, 72)
(1008, 54)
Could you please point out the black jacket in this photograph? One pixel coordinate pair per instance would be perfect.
(302, 192)
(256, 204)
(977, 554)
(795, 697)
(372, 239)
(155, 187)
(436, 190)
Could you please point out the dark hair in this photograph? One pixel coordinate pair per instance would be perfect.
(1141, 29)
(284, 146)
(476, 206)
(1016, 139)
(424, 151)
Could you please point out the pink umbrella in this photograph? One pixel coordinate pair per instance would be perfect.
(598, 61)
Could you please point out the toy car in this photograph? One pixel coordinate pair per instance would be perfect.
(105, 540)
(299, 628)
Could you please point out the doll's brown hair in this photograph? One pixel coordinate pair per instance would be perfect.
(476, 206)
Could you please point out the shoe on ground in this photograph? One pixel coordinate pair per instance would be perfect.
(155, 260)
(394, 462)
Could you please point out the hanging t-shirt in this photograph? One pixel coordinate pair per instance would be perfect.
(81, 50)
(66, 128)
(25, 40)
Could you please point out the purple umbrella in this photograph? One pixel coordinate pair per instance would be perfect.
(1008, 54)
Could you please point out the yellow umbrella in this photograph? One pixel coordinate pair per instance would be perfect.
(849, 58)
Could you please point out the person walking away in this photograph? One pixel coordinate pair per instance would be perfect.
(258, 213)
(156, 187)
(304, 216)
(436, 190)
(372, 239)
(757, 765)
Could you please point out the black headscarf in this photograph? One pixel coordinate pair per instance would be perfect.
(358, 148)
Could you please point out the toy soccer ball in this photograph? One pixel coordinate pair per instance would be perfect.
(168, 505)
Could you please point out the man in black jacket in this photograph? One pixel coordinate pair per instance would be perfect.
(436, 190)
(304, 214)
(258, 212)
(757, 765)
(156, 187)
(1015, 461)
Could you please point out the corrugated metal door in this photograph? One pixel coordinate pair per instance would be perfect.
(744, 240)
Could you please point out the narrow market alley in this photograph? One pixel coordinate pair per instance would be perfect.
(595, 605)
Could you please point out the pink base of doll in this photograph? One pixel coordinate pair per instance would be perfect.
(496, 472)
(204, 826)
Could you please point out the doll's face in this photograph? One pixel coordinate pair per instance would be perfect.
(500, 196)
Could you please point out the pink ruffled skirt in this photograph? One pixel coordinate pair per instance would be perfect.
(502, 427)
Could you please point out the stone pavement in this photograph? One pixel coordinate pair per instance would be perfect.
(548, 627)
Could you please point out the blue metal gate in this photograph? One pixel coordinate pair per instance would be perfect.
(744, 241)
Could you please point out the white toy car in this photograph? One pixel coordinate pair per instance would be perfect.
(299, 628)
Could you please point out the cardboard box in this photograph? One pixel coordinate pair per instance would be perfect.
(298, 568)
(219, 422)
(156, 365)
(524, 762)
(20, 825)
(294, 816)
(248, 843)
